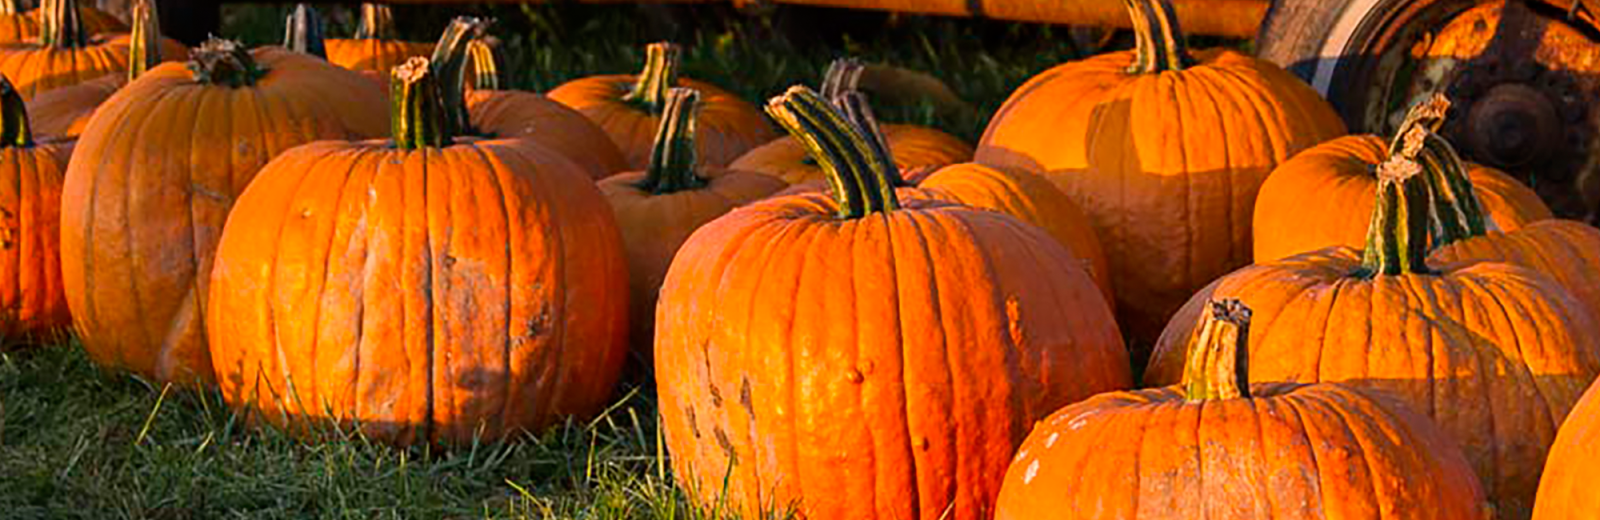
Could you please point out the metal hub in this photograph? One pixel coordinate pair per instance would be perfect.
(1513, 126)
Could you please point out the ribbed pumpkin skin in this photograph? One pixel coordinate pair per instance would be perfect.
(728, 126)
(373, 54)
(35, 69)
(30, 236)
(1496, 354)
(1567, 251)
(1566, 491)
(876, 368)
(149, 189)
(1323, 198)
(65, 111)
(911, 146)
(1291, 452)
(1166, 165)
(510, 113)
(422, 293)
(24, 27)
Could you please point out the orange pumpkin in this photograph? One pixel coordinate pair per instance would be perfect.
(1496, 354)
(65, 111)
(1566, 490)
(424, 289)
(1323, 196)
(628, 108)
(18, 25)
(864, 357)
(143, 205)
(1164, 151)
(657, 209)
(66, 54)
(1216, 446)
(375, 47)
(30, 202)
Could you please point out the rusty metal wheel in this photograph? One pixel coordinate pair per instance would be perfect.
(1524, 76)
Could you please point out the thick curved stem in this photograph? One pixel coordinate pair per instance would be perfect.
(672, 158)
(1160, 46)
(60, 24)
(416, 112)
(450, 64)
(145, 51)
(1219, 354)
(661, 63)
(857, 176)
(1457, 214)
(377, 23)
(853, 105)
(485, 64)
(14, 128)
(302, 33)
(1397, 238)
(224, 63)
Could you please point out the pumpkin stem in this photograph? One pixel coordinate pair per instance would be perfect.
(853, 105)
(661, 62)
(417, 114)
(14, 129)
(858, 177)
(485, 65)
(1456, 214)
(1219, 354)
(145, 51)
(60, 24)
(377, 23)
(302, 33)
(844, 75)
(449, 69)
(224, 63)
(1159, 40)
(672, 158)
(1397, 238)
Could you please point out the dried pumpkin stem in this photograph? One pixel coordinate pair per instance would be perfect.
(661, 63)
(1397, 238)
(485, 64)
(144, 53)
(858, 112)
(14, 128)
(844, 75)
(1219, 354)
(417, 114)
(449, 66)
(1457, 213)
(302, 32)
(377, 23)
(672, 158)
(1159, 39)
(857, 176)
(61, 25)
(224, 63)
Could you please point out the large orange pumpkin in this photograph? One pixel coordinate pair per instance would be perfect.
(660, 207)
(18, 25)
(375, 47)
(154, 176)
(65, 111)
(66, 54)
(1216, 446)
(1323, 196)
(628, 108)
(1566, 490)
(31, 298)
(1164, 151)
(425, 288)
(863, 357)
(1496, 354)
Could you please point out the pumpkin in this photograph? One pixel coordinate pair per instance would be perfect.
(628, 108)
(18, 25)
(424, 289)
(866, 357)
(1323, 196)
(154, 175)
(375, 47)
(1496, 354)
(65, 53)
(30, 203)
(1165, 151)
(657, 209)
(1566, 490)
(911, 146)
(66, 110)
(1216, 446)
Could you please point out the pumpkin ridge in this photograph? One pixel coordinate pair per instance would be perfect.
(1363, 444)
(134, 290)
(502, 198)
(1296, 403)
(88, 312)
(351, 176)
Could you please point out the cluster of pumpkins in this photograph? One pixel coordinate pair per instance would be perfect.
(858, 320)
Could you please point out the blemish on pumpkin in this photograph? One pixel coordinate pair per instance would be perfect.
(449, 261)
(716, 395)
(8, 234)
(539, 324)
(694, 425)
(747, 396)
(1033, 471)
(854, 376)
(923, 443)
(305, 213)
(1014, 319)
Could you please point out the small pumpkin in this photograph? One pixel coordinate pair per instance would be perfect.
(1215, 446)
(1496, 354)
(911, 146)
(1165, 151)
(375, 47)
(143, 205)
(866, 357)
(65, 111)
(628, 108)
(1323, 196)
(19, 25)
(66, 54)
(30, 202)
(425, 289)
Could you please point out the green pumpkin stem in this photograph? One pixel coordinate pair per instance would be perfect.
(672, 158)
(1158, 38)
(661, 63)
(1397, 238)
(144, 53)
(449, 67)
(302, 33)
(1457, 214)
(1219, 354)
(858, 177)
(376, 23)
(844, 75)
(61, 25)
(853, 105)
(224, 63)
(417, 113)
(485, 65)
(14, 128)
